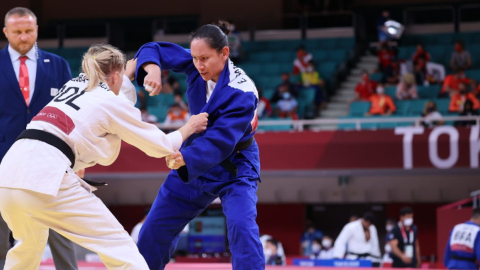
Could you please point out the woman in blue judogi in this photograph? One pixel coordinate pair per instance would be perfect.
(221, 162)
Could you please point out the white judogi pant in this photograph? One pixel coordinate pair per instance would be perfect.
(74, 213)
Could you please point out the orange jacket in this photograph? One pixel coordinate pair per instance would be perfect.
(381, 103)
(453, 82)
(457, 101)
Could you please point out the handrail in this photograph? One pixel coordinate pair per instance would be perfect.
(299, 125)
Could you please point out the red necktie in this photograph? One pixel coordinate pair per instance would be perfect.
(23, 79)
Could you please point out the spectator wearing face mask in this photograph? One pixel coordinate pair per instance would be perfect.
(327, 248)
(404, 242)
(306, 243)
(381, 104)
(316, 249)
(458, 100)
(388, 249)
(280, 251)
(407, 88)
(176, 116)
(271, 253)
(287, 106)
(452, 83)
(286, 85)
(461, 58)
(365, 89)
(431, 117)
(311, 79)
(301, 62)
(391, 74)
(467, 110)
(385, 56)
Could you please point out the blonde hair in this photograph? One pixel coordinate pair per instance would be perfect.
(99, 61)
(409, 78)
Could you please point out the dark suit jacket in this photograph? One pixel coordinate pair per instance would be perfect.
(52, 72)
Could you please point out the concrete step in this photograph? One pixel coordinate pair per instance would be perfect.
(369, 59)
(350, 85)
(340, 99)
(349, 95)
(354, 80)
(337, 106)
(346, 89)
(367, 66)
(333, 114)
(356, 71)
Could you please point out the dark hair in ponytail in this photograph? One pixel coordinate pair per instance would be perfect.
(214, 34)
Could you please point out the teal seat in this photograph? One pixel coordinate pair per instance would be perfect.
(262, 57)
(275, 127)
(305, 100)
(465, 37)
(268, 93)
(286, 67)
(473, 74)
(252, 69)
(416, 107)
(444, 38)
(268, 81)
(320, 55)
(346, 43)
(442, 105)
(270, 69)
(337, 55)
(291, 45)
(327, 43)
(275, 45)
(391, 91)
(327, 69)
(376, 76)
(312, 44)
(161, 100)
(402, 107)
(428, 92)
(359, 108)
(406, 52)
(284, 57)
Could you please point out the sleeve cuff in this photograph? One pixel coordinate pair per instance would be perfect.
(176, 139)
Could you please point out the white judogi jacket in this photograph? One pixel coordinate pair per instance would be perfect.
(352, 240)
(93, 124)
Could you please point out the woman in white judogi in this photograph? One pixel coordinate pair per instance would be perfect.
(38, 188)
(358, 240)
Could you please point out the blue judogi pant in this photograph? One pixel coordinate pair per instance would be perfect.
(178, 203)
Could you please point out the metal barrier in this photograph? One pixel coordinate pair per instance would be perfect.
(299, 125)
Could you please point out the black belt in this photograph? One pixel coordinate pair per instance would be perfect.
(56, 142)
(228, 164)
(473, 260)
(363, 255)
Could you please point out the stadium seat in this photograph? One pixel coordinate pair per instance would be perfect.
(416, 107)
(428, 92)
(442, 105)
(391, 91)
(346, 43)
(327, 69)
(262, 57)
(359, 108)
(402, 107)
(337, 55)
(268, 93)
(320, 55)
(285, 57)
(270, 69)
(376, 76)
(473, 74)
(305, 102)
(328, 43)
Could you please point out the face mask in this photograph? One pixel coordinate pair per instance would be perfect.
(316, 248)
(268, 253)
(177, 113)
(327, 243)
(380, 90)
(408, 222)
(389, 228)
(309, 69)
(388, 248)
(286, 95)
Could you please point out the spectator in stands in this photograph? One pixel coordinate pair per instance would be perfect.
(382, 31)
(271, 253)
(391, 75)
(407, 88)
(327, 248)
(420, 53)
(431, 117)
(385, 56)
(264, 109)
(301, 62)
(381, 104)
(404, 242)
(365, 88)
(146, 117)
(280, 251)
(359, 240)
(169, 84)
(461, 58)
(467, 110)
(287, 106)
(391, 223)
(308, 236)
(311, 79)
(353, 218)
(178, 99)
(235, 44)
(316, 249)
(420, 71)
(284, 86)
(458, 100)
(136, 229)
(177, 116)
(452, 82)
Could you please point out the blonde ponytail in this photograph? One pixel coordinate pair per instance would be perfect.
(99, 62)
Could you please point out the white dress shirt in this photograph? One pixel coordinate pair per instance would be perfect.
(31, 63)
(210, 86)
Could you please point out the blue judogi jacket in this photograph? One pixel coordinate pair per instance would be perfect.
(52, 73)
(463, 247)
(231, 108)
